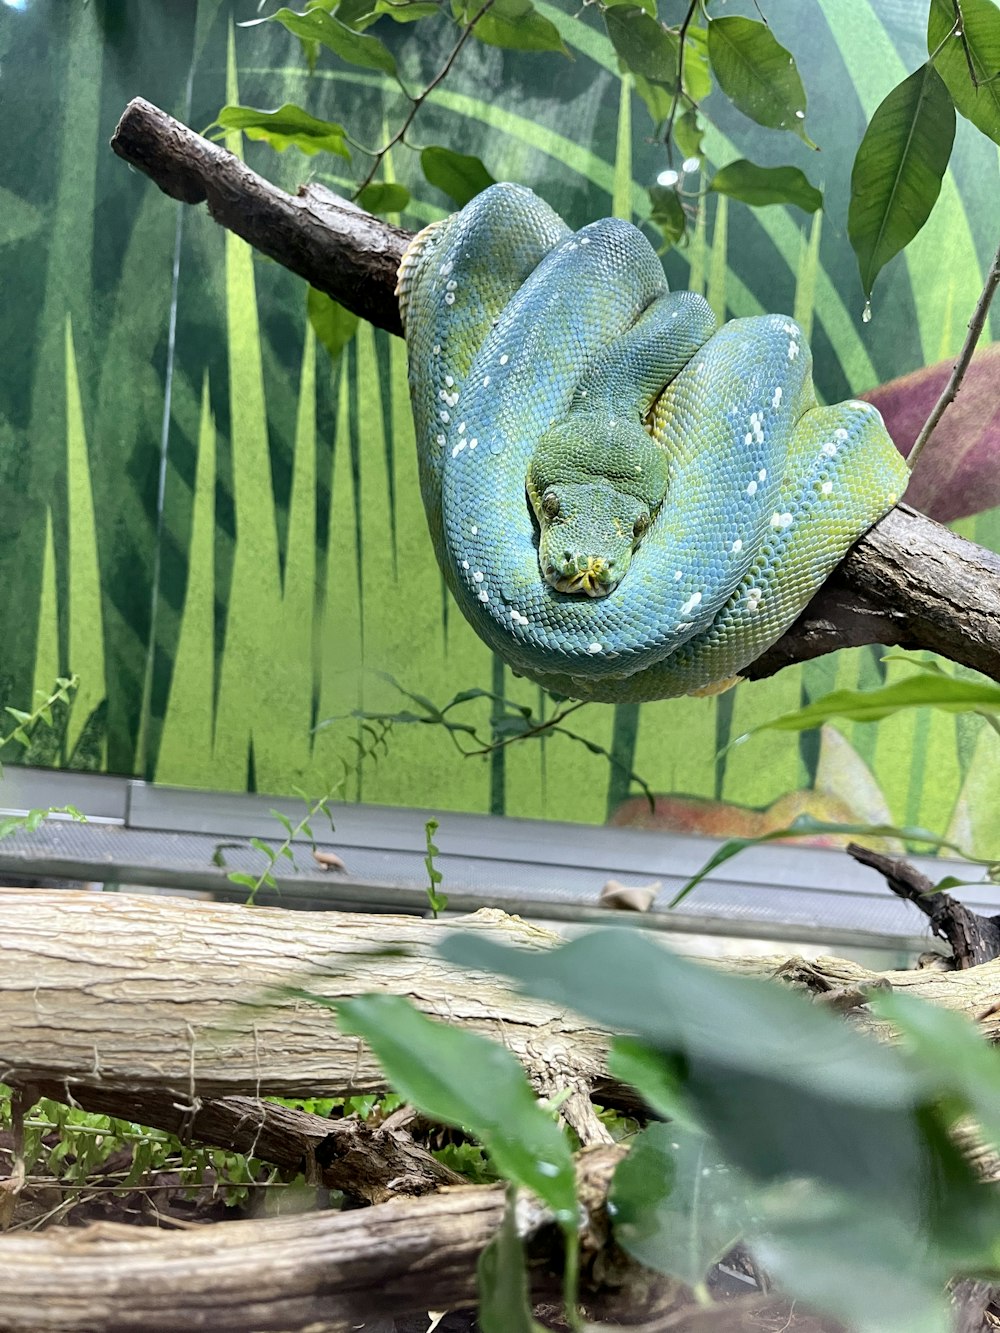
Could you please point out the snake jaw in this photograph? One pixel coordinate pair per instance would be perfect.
(590, 577)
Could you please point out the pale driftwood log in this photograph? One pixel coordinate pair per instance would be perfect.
(188, 1000)
(908, 582)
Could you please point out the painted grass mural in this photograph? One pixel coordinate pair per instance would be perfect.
(220, 531)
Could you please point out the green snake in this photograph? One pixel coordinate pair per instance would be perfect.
(627, 502)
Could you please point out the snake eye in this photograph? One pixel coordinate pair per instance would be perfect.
(640, 526)
(550, 504)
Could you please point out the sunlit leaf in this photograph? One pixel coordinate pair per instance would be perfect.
(766, 185)
(978, 45)
(898, 170)
(458, 175)
(927, 689)
(697, 68)
(463, 1079)
(384, 197)
(316, 25)
(757, 74)
(289, 126)
(407, 11)
(688, 134)
(677, 1205)
(667, 213)
(333, 325)
(502, 1281)
(643, 44)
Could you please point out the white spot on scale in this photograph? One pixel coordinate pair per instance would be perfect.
(827, 487)
(752, 488)
(474, 530)
(465, 564)
(484, 595)
(693, 601)
(678, 574)
(445, 417)
(449, 298)
(458, 449)
(472, 443)
(584, 240)
(840, 433)
(439, 439)
(754, 597)
(449, 381)
(445, 269)
(748, 438)
(451, 285)
(776, 400)
(700, 365)
(595, 648)
(461, 429)
(781, 521)
(486, 381)
(504, 359)
(436, 349)
(762, 474)
(479, 576)
(737, 546)
(793, 350)
(830, 449)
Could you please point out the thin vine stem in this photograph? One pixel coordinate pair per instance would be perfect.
(679, 90)
(417, 102)
(976, 326)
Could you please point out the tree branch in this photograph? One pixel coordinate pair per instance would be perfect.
(908, 582)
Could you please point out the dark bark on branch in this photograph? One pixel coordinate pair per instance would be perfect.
(908, 582)
(973, 938)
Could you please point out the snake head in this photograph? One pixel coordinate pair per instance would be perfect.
(595, 484)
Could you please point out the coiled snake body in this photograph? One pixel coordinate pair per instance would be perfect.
(626, 502)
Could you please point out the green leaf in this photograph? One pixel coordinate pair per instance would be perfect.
(384, 197)
(333, 325)
(658, 1080)
(458, 175)
(513, 24)
(647, 6)
(643, 44)
(289, 126)
(977, 44)
(667, 213)
(406, 11)
(898, 170)
(316, 25)
(658, 99)
(950, 1048)
(866, 1264)
(926, 690)
(807, 826)
(465, 1080)
(757, 74)
(502, 1280)
(785, 1088)
(697, 69)
(676, 1204)
(766, 185)
(688, 134)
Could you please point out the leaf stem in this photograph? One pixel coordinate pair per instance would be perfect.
(418, 101)
(976, 324)
(679, 90)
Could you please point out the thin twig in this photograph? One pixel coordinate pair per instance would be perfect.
(679, 90)
(976, 324)
(418, 101)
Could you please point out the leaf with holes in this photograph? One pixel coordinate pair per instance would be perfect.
(287, 127)
(898, 170)
(757, 74)
(976, 90)
(759, 186)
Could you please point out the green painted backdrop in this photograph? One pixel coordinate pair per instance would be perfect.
(220, 531)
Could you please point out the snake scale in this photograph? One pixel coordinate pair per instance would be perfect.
(627, 502)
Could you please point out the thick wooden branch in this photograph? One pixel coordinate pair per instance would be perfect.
(908, 582)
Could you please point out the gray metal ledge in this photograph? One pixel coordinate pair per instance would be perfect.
(139, 834)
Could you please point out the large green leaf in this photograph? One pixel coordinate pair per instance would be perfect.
(316, 25)
(458, 175)
(766, 185)
(677, 1205)
(976, 45)
(643, 44)
(289, 126)
(514, 24)
(898, 170)
(928, 689)
(465, 1080)
(384, 197)
(953, 1047)
(333, 325)
(757, 74)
